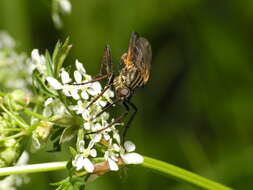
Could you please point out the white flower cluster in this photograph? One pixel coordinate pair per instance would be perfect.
(6, 41)
(80, 97)
(12, 72)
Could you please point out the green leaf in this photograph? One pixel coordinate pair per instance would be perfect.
(64, 181)
(75, 183)
(72, 151)
(68, 134)
(59, 55)
(56, 52)
(49, 63)
(40, 85)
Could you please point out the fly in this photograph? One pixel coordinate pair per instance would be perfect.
(134, 73)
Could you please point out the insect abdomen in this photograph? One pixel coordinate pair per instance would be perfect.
(132, 78)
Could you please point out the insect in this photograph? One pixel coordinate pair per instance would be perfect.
(134, 73)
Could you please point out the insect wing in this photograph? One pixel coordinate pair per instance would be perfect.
(143, 57)
(139, 55)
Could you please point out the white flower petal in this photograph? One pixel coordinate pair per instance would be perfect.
(95, 89)
(74, 94)
(129, 146)
(97, 86)
(88, 165)
(102, 103)
(78, 162)
(78, 77)
(81, 146)
(59, 109)
(35, 143)
(47, 112)
(106, 155)
(114, 157)
(107, 136)
(112, 165)
(66, 92)
(48, 101)
(65, 77)
(23, 159)
(84, 95)
(54, 83)
(132, 158)
(116, 147)
(97, 137)
(86, 115)
(116, 136)
(87, 126)
(35, 55)
(80, 68)
(96, 127)
(91, 144)
(108, 94)
(93, 153)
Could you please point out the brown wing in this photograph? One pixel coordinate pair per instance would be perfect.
(139, 55)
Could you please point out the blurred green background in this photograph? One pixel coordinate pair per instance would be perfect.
(196, 110)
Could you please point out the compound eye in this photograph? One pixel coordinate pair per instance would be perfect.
(124, 92)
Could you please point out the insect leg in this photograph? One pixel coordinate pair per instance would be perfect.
(97, 78)
(120, 118)
(131, 117)
(105, 68)
(98, 96)
(106, 108)
(109, 85)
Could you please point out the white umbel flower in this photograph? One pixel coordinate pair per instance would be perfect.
(54, 83)
(112, 155)
(38, 61)
(65, 77)
(80, 162)
(111, 159)
(132, 158)
(112, 165)
(128, 156)
(6, 41)
(129, 146)
(80, 68)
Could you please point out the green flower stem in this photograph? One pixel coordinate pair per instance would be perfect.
(20, 134)
(10, 129)
(33, 168)
(157, 166)
(169, 170)
(36, 115)
(18, 121)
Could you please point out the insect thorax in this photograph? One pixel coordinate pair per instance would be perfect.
(128, 79)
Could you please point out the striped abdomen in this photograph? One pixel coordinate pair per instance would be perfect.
(132, 77)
